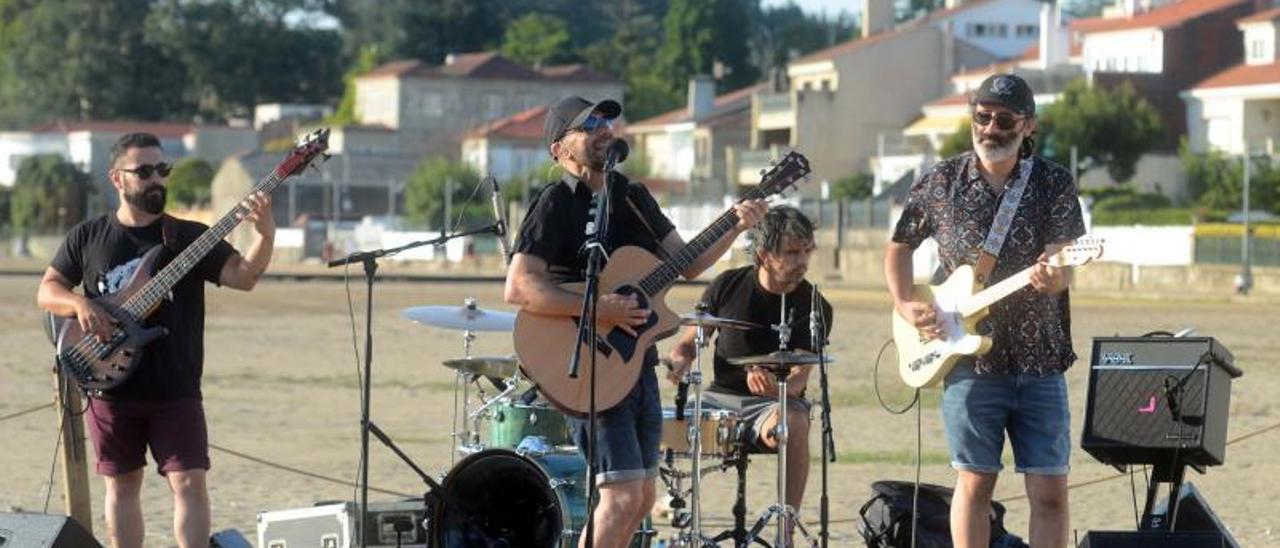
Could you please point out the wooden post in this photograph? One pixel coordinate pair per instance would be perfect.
(75, 461)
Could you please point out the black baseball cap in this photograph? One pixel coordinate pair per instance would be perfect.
(1007, 90)
(570, 113)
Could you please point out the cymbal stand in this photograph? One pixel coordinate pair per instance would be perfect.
(472, 438)
(785, 513)
(694, 537)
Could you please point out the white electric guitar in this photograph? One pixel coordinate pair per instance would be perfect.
(961, 302)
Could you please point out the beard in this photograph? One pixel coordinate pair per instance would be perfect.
(149, 199)
(997, 147)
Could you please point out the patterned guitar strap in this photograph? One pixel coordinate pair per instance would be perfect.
(1000, 226)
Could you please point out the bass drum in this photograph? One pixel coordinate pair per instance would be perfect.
(505, 499)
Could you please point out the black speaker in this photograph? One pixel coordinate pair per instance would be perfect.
(1154, 399)
(1194, 514)
(1151, 539)
(43, 531)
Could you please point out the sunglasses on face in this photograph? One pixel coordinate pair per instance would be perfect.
(145, 171)
(1005, 121)
(593, 122)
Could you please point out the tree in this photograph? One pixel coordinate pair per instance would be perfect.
(630, 54)
(424, 193)
(70, 59)
(190, 182)
(853, 187)
(1216, 181)
(345, 114)
(1109, 127)
(49, 193)
(420, 29)
(535, 39)
(702, 33)
(238, 54)
(786, 31)
(960, 141)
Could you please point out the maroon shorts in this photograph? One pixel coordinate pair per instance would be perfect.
(121, 431)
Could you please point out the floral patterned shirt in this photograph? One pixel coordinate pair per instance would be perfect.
(953, 204)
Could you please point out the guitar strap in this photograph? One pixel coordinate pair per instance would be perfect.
(169, 233)
(1000, 226)
(662, 253)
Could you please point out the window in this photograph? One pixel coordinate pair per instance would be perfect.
(1000, 30)
(432, 105)
(1257, 49)
(1026, 31)
(977, 29)
(493, 106)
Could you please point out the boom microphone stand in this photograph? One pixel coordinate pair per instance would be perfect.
(818, 334)
(370, 261)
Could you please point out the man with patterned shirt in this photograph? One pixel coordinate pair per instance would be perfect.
(1018, 386)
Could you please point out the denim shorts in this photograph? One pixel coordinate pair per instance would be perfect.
(627, 435)
(977, 410)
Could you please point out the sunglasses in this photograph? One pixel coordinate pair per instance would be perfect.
(593, 122)
(1005, 121)
(145, 171)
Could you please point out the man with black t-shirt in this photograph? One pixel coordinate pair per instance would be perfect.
(548, 252)
(781, 247)
(160, 405)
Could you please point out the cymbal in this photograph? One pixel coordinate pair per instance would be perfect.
(786, 358)
(489, 366)
(462, 318)
(705, 319)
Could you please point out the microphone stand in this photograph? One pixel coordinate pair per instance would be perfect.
(818, 331)
(597, 234)
(370, 261)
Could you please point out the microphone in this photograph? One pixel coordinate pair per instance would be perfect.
(500, 215)
(616, 152)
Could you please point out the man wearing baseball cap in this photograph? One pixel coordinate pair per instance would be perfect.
(1016, 389)
(577, 134)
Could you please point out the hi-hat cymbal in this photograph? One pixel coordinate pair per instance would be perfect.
(709, 320)
(490, 366)
(462, 318)
(783, 358)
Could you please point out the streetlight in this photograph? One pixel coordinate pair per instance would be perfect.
(1244, 281)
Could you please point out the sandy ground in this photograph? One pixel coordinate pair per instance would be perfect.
(281, 384)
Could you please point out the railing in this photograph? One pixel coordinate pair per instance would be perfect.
(774, 111)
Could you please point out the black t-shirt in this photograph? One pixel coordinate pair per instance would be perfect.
(736, 294)
(102, 255)
(555, 228)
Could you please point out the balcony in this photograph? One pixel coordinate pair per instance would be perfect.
(745, 164)
(774, 111)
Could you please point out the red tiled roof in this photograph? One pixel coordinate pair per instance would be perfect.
(576, 72)
(1243, 75)
(526, 125)
(159, 129)
(1163, 17)
(467, 65)
(681, 114)
(859, 43)
(1268, 15)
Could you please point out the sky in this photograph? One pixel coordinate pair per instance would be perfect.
(833, 7)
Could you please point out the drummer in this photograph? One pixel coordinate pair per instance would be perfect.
(781, 245)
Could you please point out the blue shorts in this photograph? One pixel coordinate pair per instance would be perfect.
(978, 409)
(627, 435)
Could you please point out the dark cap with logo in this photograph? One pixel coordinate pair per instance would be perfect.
(1007, 90)
(570, 113)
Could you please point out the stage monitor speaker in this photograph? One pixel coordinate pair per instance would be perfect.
(1156, 399)
(1194, 514)
(43, 531)
(1151, 539)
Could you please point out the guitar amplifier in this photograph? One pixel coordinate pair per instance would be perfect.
(1155, 399)
(336, 526)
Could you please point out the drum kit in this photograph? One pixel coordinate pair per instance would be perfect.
(524, 483)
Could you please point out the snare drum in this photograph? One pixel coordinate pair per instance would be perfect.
(513, 421)
(719, 429)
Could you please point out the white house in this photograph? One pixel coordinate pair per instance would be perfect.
(507, 147)
(1239, 107)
